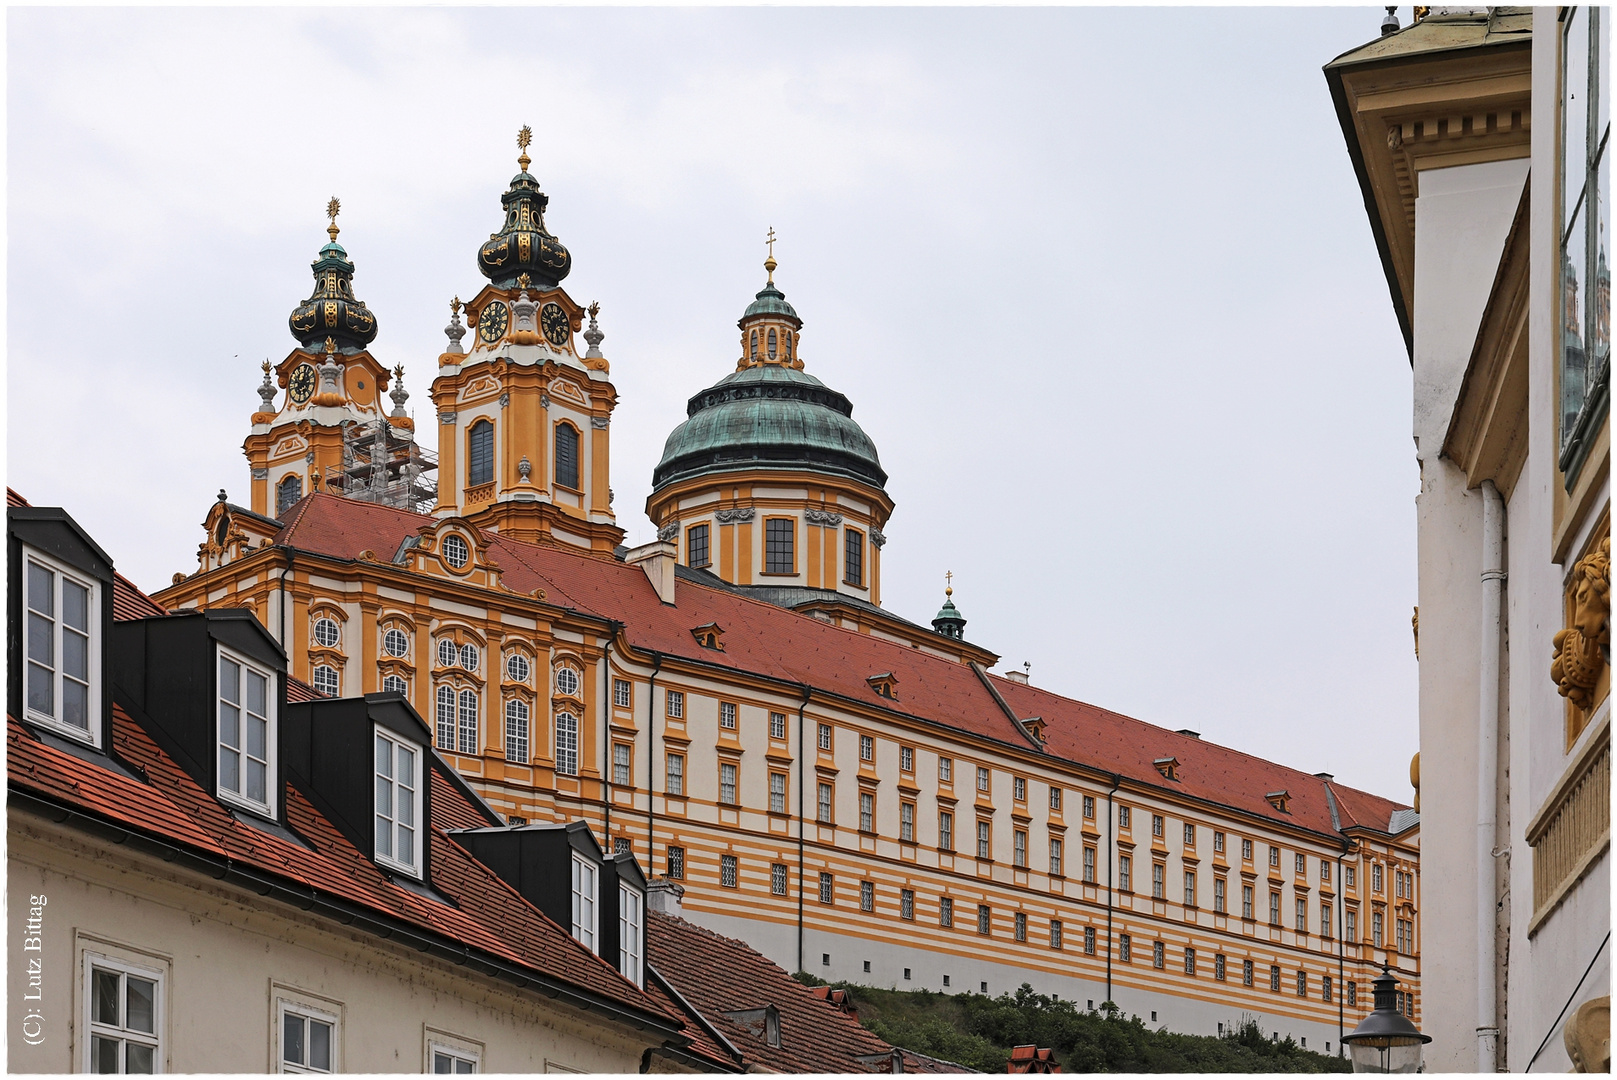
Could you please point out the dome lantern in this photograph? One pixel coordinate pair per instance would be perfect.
(332, 311)
(524, 245)
(949, 622)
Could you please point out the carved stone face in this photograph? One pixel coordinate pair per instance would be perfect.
(1591, 596)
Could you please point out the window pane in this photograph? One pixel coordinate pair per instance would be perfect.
(41, 640)
(1575, 112)
(292, 1039)
(229, 769)
(257, 781)
(76, 703)
(230, 681)
(104, 1054)
(41, 590)
(406, 774)
(319, 1046)
(138, 1059)
(441, 1063)
(257, 736)
(75, 654)
(142, 998)
(257, 693)
(104, 1008)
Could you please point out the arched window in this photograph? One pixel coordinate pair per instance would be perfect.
(772, 343)
(446, 718)
(325, 680)
(753, 348)
(787, 334)
(394, 684)
(468, 722)
(287, 492)
(567, 455)
(516, 731)
(567, 744)
(480, 454)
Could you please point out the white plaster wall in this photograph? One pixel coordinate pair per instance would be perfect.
(227, 954)
(1462, 216)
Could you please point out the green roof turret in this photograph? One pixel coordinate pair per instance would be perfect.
(949, 621)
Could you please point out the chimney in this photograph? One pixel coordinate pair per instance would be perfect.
(1017, 677)
(665, 895)
(1188, 733)
(657, 560)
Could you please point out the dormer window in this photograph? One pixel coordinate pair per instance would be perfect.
(585, 878)
(456, 552)
(885, 684)
(1279, 800)
(631, 933)
(63, 647)
(247, 735)
(710, 636)
(1168, 767)
(398, 803)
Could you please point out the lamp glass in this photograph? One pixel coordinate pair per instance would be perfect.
(1385, 1055)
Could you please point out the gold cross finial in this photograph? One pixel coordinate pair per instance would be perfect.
(332, 209)
(948, 578)
(524, 137)
(770, 263)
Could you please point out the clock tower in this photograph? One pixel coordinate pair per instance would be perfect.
(326, 386)
(524, 414)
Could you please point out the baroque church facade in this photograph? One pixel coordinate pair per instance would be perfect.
(854, 794)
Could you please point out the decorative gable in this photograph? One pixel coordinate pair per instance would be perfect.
(453, 548)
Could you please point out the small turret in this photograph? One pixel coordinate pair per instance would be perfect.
(949, 622)
(332, 312)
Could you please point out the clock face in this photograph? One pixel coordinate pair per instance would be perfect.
(302, 383)
(495, 318)
(553, 321)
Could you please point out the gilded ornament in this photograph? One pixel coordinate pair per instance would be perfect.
(1581, 648)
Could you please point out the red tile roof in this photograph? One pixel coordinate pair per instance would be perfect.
(1030, 1058)
(485, 914)
(717, 975)
(128, 602)
(791, 647)
(13, 499)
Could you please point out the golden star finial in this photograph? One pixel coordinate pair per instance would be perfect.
(523, 280)
(398, 372)
(770, 263)
(524, 137)
(266, 367)
(333, 208)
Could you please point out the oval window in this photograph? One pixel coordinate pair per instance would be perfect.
(468, 657)
(567, 681)
(456, 553)
(447, 653)
(395, 643)
(325, 632)
(516, 668)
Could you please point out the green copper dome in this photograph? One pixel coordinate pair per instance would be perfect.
(769, 416)
(332, 310)
(770, 301)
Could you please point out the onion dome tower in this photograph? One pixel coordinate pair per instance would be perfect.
(523, 394)
(949, 621)
(524, 245)
(770, 480)
(332, 309)
(333, 391)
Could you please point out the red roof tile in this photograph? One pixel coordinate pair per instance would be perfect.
(128, 602)
(717, 975)
(486, 913)
(13, 499)
(791, 647)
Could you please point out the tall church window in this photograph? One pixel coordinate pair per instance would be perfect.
(1585, 214)
(480, 454)
(752, 348)
(516, 731)
(779, 535)
(854, 557)
(772, 343)
(467, 743)
(566, 744)
(567, 455)
(696, 546)
(446, 717)
(287, 492)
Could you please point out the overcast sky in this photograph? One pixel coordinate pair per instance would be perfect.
(1098, 282)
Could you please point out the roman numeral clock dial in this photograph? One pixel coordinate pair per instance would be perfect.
(492, 323)
(553, 321)
(302, 384)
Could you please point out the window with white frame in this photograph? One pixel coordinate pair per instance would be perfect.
(452, 1059)
(456, 552)
(727, 715)
(584, 901)
(777, 878)
(867, 896)
(945, 770)
(246, 733)
(568, 682)
(308, 1039)
(622, 765)
(395, 684)
(729, 871)
(325, 680)
(516, 730)
(395, 642)
(517, 668)
(676, 705)
(1019, 848)
(469, 656)
(867, 811)
(906, 759)
(448, 653)
(622, 693)
(867, 748)
(1055, 933)
(398, 802)
(906, 903)
(822, 736)
(777, 793)
(827, 888)
(777, 725)
(124, 1006)
(945, 911)
(945, 830)
(824, 806)
(1055, 799)
(566, 744)
(727, 783)
(1019, 788)
(467, 741)
(446, 717)
(676, 774)
(984, 838)
(982, 778)
(326, 632)
(631, 934)
(906, 822)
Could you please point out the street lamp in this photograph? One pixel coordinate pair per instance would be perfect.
(1385, 1041)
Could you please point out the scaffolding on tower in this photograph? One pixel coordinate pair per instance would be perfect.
(384, 465)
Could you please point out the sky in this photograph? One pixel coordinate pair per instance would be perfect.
(1099, 283)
